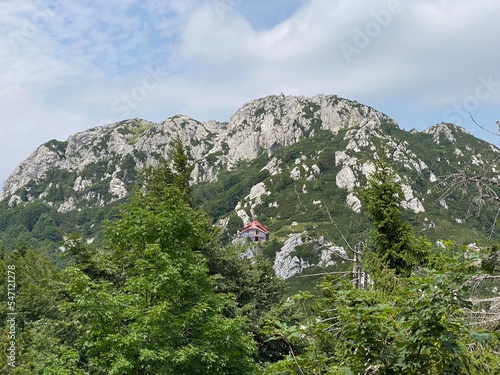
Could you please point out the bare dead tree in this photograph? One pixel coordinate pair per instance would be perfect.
(484, 312)
(357, 272)
(482, 189)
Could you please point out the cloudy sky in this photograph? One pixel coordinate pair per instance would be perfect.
(69, 65)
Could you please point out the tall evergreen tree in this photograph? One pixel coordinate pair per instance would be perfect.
(176, 173)
(396, 244)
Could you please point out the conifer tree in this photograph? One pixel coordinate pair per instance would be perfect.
(396, 244)
(176, 173)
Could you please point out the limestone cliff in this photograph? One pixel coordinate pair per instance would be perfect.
(298, 163)
(261, 125)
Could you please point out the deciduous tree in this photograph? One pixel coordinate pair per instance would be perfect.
(159, 312)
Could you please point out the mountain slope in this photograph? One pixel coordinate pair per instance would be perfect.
(264, 124)
(294, 163)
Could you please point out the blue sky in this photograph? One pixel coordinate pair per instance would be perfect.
(69, 65)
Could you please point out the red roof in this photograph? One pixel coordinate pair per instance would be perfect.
(255, 225)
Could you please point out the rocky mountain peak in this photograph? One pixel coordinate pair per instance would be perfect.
(445, 132)
(277, 121)
(98, 165)
(300, 156)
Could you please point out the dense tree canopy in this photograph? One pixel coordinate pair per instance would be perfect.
(165, 296)
(158, 312)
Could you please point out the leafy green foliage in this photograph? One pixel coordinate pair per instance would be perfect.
(420, 328)
(402, 324)
(41, 336)
(252, 283)
(162, 298)
(179, 175)
(158, 311)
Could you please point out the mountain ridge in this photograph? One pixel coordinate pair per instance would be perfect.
(290, 161)
(52, 153)
(204, 138)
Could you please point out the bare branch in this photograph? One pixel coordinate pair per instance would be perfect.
(327, 273)
(338, 230)
(486, 130)
(492, 228)
(477, 301)
(337, 254)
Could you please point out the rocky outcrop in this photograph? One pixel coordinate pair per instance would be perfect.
(261, 125)
(342, 141)
(443, 132)
(278, 121)
(286, 266)
(98, 162)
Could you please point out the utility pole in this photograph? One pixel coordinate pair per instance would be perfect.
(357, 272)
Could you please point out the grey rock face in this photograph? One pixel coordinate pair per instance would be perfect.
(100, 156)
(96, 164)
(286, 266)
(260, 125)
(444, 132)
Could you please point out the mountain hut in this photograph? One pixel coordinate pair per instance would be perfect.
(255, 232)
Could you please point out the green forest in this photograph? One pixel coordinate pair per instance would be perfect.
(164, 293)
